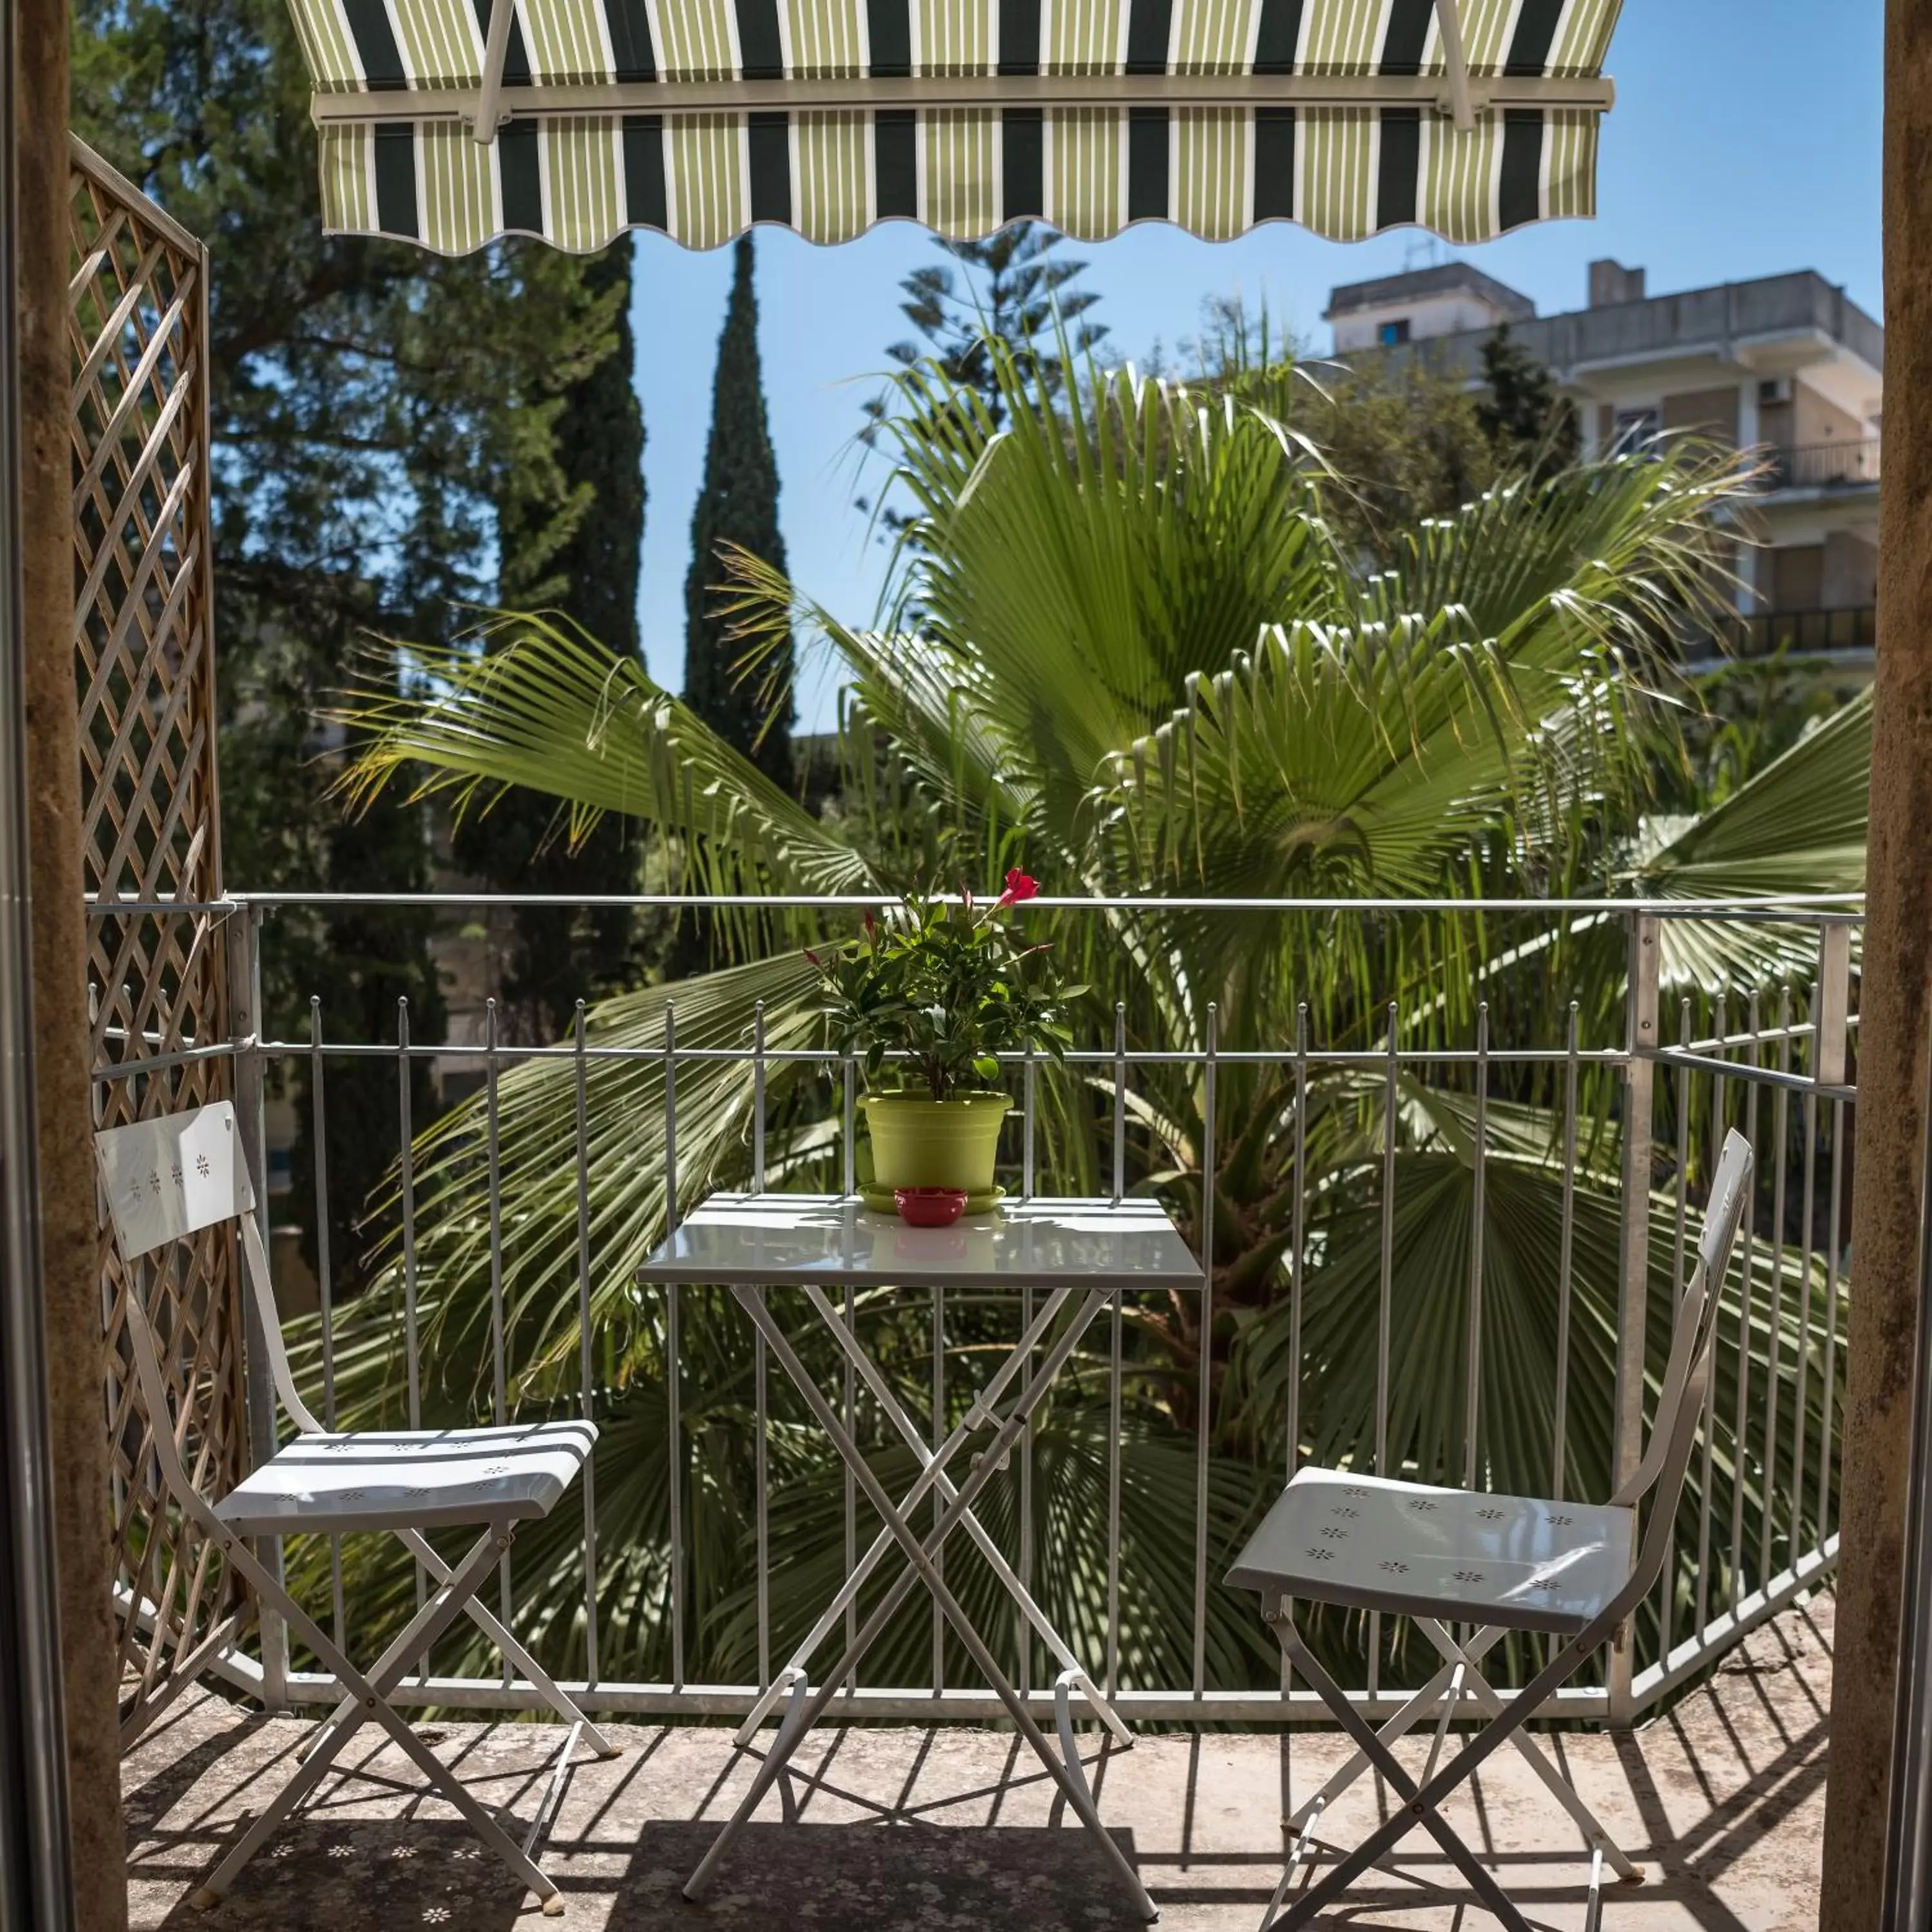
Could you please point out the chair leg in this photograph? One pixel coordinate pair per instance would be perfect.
(1416, 1811)
(371, 1699)
(1489, 1700)
(513, 1652)
(559, 1700)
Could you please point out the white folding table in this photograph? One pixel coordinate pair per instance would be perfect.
(1081, 1253)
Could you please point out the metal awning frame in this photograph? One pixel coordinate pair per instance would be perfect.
(491, 105)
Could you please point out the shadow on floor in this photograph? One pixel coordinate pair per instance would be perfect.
(325, 1874)
(905, 1878)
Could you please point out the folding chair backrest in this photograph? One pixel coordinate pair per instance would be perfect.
(1666, 1457)
(173, 1176)
(176, 1175)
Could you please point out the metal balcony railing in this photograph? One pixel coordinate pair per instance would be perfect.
(1764, 633)
(1758, 1526)
(1813, 466)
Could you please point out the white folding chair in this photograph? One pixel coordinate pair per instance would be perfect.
(166, 1178)
(1460, 1559)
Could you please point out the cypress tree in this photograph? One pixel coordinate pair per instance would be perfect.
(739, 505)
(571, 544)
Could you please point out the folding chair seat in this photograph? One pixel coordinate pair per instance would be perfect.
(1514, 1562)
(166, 1178)
(411, 1479)
(1468, 1567)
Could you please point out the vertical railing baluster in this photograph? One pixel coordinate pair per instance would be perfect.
(758, 1097)
(1802, 1395)
(1120, 1101)
(1116, 1366)
(1029, 1441)
(1830, 1008)
(1478, 1208)
(1298, 1239)
(1830, 1364)
(1385, 1302)
(849, 1103)
(1746, 1303)
(938, 1502)
(1565, 1262)
(1666, 1581)
(1773, 1395)
(1030, 1101)
(1719, 1089)
(587, 1397)
(1641, 1040)
(1117, 1343)
(406, 1164)
(325, 1273)
(499, 1384)
(673, 1355)
(848, 1177)
(1204, 1393)
(760, 1386)
(244, 1018)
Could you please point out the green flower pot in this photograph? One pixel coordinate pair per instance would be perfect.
(921, 1142)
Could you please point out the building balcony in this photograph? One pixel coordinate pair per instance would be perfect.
(1722, 1807)
(1845, 636)
(498, 1280)
(1822, 466)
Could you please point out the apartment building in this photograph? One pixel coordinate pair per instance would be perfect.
(1786, 366)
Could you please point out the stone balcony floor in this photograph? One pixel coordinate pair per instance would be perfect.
(1721, 1800)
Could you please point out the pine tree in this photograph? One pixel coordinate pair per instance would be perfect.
(738, 505)
(1529, 426)
(571, 541)
(1012, 288)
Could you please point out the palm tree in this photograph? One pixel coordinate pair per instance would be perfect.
(1143, 665)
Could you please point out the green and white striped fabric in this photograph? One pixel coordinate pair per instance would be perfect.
(577, 179)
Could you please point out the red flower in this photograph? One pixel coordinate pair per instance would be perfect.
(1020, 886)
(814, 959)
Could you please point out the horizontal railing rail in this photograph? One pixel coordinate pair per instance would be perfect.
(1759, 1523)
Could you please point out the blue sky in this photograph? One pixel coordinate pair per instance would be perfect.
(1745, 141)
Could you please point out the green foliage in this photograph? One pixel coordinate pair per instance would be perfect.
(737, 510)
(1014, 289)
(371, 405)
(1144, 661)
(944, 985)
(574, 546)
(1528, 425)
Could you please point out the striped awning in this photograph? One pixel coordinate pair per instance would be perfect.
(449, 122)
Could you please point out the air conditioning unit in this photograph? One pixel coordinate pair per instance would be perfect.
(1774, 389)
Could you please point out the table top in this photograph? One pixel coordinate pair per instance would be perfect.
(775, 1240)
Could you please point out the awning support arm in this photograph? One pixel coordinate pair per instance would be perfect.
(496, 50)
(487, 107)
(1456, 62)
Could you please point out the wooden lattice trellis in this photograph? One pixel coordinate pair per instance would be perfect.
(145, 666)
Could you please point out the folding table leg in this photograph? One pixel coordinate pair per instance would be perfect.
(922, 1567)
(931, 1472)
(934, 1461)
(370, 1694)
(1417, 1810)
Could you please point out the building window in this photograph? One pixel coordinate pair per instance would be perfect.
(1391, 334)
(1633, 428)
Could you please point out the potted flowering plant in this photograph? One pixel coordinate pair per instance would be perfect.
(926, 999)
